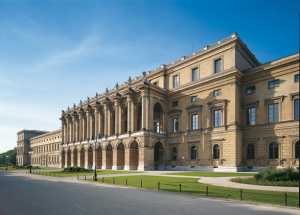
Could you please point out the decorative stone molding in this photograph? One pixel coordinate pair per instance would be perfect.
(175, 112)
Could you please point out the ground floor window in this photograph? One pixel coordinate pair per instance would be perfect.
(216, 153)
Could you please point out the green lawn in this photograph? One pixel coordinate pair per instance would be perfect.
(212, 174)
(191, 186)
(33, 168)
(69, 174)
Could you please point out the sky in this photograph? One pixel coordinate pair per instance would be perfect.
(55, 53)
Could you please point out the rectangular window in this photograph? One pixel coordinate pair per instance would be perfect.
(175, 125)
(297, 78)
(273, 84)
(250, 90)
(194, 122)
(296, 109)
(194, 74)
(217, 92)
(175, 81)
(273, 112)
(194, 98)
(217, 118)
(175, 104)
(251, 116)
(218, 65)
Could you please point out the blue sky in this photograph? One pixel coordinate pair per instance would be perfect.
(55, 53)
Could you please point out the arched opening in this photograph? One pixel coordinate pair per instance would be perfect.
(133, 156)
(193, 153)
(69, 158)
(82, 157)
(250, 151)
(297, 150)
(138, 117)
(109, 156)
(75, 163)
(120, 156)
(112, 123)
(90, 158)
(273, 151)
(216, 152)
(62, 159)
(99, 157)
(124, 121)
(158, 118)
(174, 154)
(158, 155)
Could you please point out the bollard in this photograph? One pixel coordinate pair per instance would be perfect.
(58, 174)
(54, 174)
(102, 179)
(285, 199)
(46, 173)
(241, 194)
(126, 181)
(141, 183)
(158, 185)
(77, 177)
(114, 181)
(85, 177)
(206, 190)
(180, 188)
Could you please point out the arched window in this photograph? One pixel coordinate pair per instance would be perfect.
(250, 151)
(193, 153)
(174, 154)
(297, 150)
(273, 150)
(216, 151)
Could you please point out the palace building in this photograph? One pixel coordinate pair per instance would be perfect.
(216, 109)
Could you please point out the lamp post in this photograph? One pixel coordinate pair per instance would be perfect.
(7, 156)
(95, 142)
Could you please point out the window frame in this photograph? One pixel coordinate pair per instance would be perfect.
(272, 155)
(194, 122)
(214, 117)
(193, 98)
(274, 84)
(175, 102)
(174, 159)
(249, 118)
(273, 110)
(216, 155)
(173, 125)
(250, 154)
(251, 90)
(295, 110)
(193, 153)
(295, 78)
(221, 65)
(173, 80)
(192, 73)
(217, 91)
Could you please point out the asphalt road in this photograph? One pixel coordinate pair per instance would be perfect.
(23, 195)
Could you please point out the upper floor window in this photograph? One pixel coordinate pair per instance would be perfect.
(297, 78)
(155, 83)
(156, 127)
(273, 112)
(297, 150)
(194, 122)
(194, 74)
(193, 153)
(296, 109)
(218, 64)
(250, 90)
(251, 116)
(273, 150)
(175, 125)
(273, 84)
(175, 81)
(175, 104)
(217, 118)
(217, 92)
(194, 98)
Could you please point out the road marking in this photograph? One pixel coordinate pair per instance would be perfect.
(82, 208)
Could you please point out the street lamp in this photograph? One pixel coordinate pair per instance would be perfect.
(95, 142)
(7, 156)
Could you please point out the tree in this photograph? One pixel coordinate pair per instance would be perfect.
(12, 157)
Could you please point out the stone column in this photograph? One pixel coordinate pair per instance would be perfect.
(88, 125)
(144, 112)
(80, 127)
(63, 121)
(67, 133)
(86, 157)
(73, 128)
(127, 157)
(105, 120)
(115, 155)
(129, 101)
(96, 122)
(117, 118)
(72, 158)
(103, 158)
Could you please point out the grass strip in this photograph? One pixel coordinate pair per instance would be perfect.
(70, 174)
(192, 186)
(9, 168)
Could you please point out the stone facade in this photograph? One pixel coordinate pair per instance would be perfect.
(217, 109)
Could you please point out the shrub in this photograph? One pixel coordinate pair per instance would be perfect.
(75, 169)
(288, 174)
